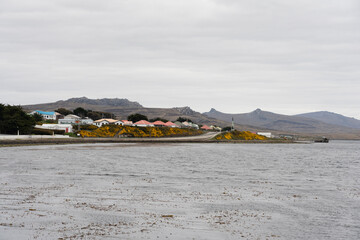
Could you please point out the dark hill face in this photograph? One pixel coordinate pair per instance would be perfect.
(117, 102)
(86, 103)
(332, 118)
(273, 121)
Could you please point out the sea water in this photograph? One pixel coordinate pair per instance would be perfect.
(181, 191)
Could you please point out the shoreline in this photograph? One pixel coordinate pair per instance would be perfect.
(52, 141)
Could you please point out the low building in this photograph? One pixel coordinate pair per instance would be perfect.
(215, 128)
(84, 121)
(106, 121)
(72, 116)
(170, 124)
(205, 127)
(143, 123)
(193, 125)
(265, 134)
(59, 116)
(45, 115)
(179, 124)
(159, 124)
(127, 123)
(186, 124)
(66, 127)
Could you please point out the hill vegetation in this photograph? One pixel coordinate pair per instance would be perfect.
(239, 135)
(138, 132)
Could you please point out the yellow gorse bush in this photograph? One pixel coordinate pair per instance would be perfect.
(239, 135)
(139, 132)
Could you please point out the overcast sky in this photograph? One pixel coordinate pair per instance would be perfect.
(233, 55)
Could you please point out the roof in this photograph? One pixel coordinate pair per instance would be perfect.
(109, 120)
(159, 123)
(127, 122)
(44, 113)
(142, 122)
(177, 123)
(186, 123)
(72, 116)
(170, 124)
(205, 127)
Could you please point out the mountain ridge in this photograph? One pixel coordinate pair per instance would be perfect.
(123, 110)
(257, 120)
(280, 122)
(332, 118)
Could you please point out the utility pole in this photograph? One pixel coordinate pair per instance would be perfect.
(232, 124)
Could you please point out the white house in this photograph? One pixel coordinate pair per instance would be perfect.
(45, 115)
(105, 121)
(83, 121)
(265, 134)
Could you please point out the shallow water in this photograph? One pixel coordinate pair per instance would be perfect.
(181, 191)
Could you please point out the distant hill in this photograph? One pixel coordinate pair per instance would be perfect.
(332, 118)
(291, 124)
(257, 120)
(86, 103)
(123, 108)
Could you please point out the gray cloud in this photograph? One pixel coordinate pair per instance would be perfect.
(288, 57)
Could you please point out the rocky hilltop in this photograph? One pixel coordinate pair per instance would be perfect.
(117, 102)
(87, 103)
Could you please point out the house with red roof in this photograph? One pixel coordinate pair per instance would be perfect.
(127, 123)
(143, 123)
(205, 127)
(170, 124)
(159, 124)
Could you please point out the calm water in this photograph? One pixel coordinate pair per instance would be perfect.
(181, 191)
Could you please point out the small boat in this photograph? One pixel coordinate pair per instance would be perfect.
(322, 140)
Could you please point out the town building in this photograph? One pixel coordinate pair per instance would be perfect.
(143, 123)
(127, 123)
(66, 127)
(106, 121)
(74, 119)
(45, 115)
(265, 134)
(205, 127)
(159, 124)
(171, 124)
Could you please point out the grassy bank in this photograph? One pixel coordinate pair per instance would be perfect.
(138, 132)
(239, 135)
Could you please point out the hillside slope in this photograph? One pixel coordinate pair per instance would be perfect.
(332, 118)
(292, 124)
